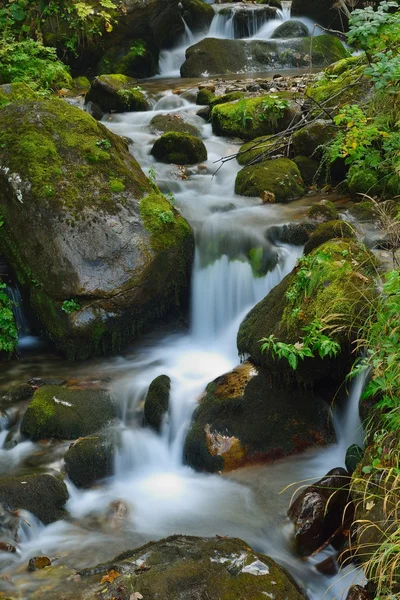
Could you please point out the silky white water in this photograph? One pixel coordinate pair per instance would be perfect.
(161, 495)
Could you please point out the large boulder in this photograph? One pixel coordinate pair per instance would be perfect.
(343, 83)
(91, 458)
(172, 122)
(328, 231)
(197, 14)
(307, 140)
(117, 93)
(245, 417)
(280, 177)
(43, 495)
(319, 511)
(136, 58)
(333, 286)
(184, 568)
(157, 401)
(109, 260)
(16, 92)
(253, 151)
(179, 149)
(216, 56)
(290, 29)
(58, 412)
(323, 211)
(251, 118)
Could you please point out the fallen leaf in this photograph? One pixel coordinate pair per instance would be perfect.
(135, 596)
(111, 575)
(370, 505)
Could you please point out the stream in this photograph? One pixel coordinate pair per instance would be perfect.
(163, 495)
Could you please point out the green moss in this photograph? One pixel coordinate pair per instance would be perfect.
(325, 49)
(279, 176)
(136, 58)
(15, 92)
(252, 117)
(248, 154)
(163, 234)
(347, 88)
(362, 181)
(117, 92)
(330, 230)
(204, 97)
(179, 148)
(80, 83)
(116, 186)
(308, 168)
(174, 122)
(323, 211)
(310, 139)
(364, 211)
(229, 97)
(90, 459)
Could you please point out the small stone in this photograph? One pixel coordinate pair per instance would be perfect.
(327, 566)
(6, 547)
(267, 197)
(39, 562)
(207, 86)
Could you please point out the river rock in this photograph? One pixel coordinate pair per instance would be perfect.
(245, 417)
(18, 393)
(253, 117)
(342, 285)
(109, 264)
(42, 494)
(184, 568)
(323, 211)
(65, 413)
(309, 170)
(329, 231)
(197, 15)
(318, 512)
(296, 234)
(117, 93)
(214, 56)
(173, 122)
(179, 149)
(310, 139)
(91, 458)
(157, 401)
(357, 592)
(252, 152)
(290, 29)
(279, 176)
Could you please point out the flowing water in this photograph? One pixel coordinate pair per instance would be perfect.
(163, 495)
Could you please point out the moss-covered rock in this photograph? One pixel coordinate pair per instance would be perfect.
(251, 118)
(296, 234)
(253, 151)
(172, 122)
(67, 175)
(91, 458)
(157, 401)
(329, 231)
(179, 149)
(197, 14)
(18, 393)
(290, 29)
(323, 211)
(335, 285)
(245, 417)
(309, 139)
(185, 567)
(279, 176)
(135, 58)
(16, 92)
(43, 495)
(364, 211)
(204, 97)
(309, 169)
(81, 83)
(228, 97)
(117, 93)
(362, 181)
(347, 86)
(59, 412)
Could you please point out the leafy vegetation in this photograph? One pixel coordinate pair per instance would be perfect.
(70, 306)
(8, 327)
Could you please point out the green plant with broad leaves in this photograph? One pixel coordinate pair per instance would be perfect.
(70, 306)
(8, 327)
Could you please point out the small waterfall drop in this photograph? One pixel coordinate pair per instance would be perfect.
(286, 11)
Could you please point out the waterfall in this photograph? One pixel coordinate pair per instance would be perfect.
(240, 21)
(171, 60)
(286, 10)
(22, 323)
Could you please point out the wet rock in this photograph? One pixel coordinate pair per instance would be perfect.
(364, 211)
(41, 381)
(42, 494)
(308, 169)
(323, 211)
(6, 547)
(328, 566)
(279, 176)
(167, 123)
(91, 458)
(38, 562)
(354, 455)
(296, 234)
(308, 140)
(197, 14)
(318, 512)
(18, 393)
(245, 417)
(290, 29)
(204, 113)
(65, 413)
(357, 592)
(185, 567)
(253, 151)
(117, 93)
(157, 402)
(362, 181)
(179, 149)
(94, 111)
(205, 96)
(329, 231)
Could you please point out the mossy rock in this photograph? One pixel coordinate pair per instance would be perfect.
(90, 459)
(323, 212)
(73, 178)
(117, 93)
(251, 118)
(16, 92)
(279, 176)
(229, 97)
(309, 169)
(41, 494)
(362, 181)
(308, 140)
(290, 29)
(296, 234)
(349, 86)
(204, 97)
(135, 58)
(80, 84)
(59, 412)
(246, 417)
(214, 56)
(364, 211)
(253, 151)
(340, 288)
(17, 393)
(173, 122)
(179, 149)
(185, 567)
(197, 14)
(157, 402)
(329, 231)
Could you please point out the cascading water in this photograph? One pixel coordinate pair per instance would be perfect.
(25, 339)
(286, 10)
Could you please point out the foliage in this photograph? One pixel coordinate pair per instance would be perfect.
(70, 306)
(116, 185)
(8, 327)
(273, 106)
(166, 216)
(30, 62)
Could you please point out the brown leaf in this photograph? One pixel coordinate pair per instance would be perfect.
(111, 575)
(135, 596)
